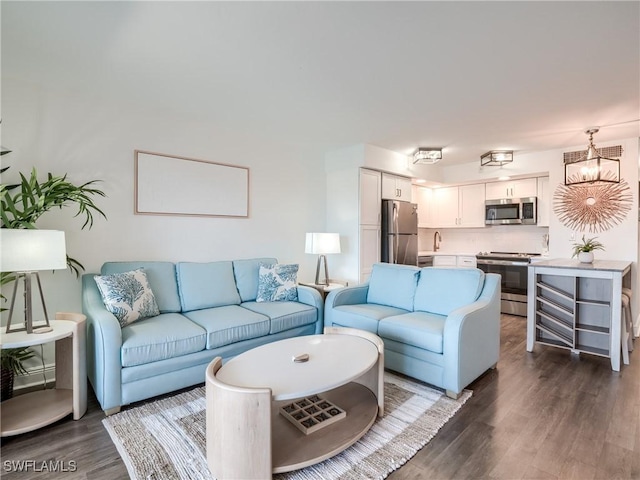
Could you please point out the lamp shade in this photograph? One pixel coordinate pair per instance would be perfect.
(322, 243)
(25, 250)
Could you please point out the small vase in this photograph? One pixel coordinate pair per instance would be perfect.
(585, 257)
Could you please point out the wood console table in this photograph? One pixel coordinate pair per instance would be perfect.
(577, 306)
(33, 410)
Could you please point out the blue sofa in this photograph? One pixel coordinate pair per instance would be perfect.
(207, 310)
(439, 325)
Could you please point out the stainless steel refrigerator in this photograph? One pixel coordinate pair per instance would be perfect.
(399, 232)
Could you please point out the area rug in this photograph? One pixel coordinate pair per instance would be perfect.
(165, 439)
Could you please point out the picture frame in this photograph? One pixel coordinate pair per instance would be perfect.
(182, 186)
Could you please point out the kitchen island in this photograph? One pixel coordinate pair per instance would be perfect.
(577, 306)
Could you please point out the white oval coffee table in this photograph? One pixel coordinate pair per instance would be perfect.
(345, 367)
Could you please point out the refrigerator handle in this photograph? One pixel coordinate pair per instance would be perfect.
(395, 230)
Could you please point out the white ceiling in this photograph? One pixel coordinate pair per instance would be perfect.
(466, 76)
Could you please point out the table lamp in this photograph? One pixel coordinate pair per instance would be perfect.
(322, 244)
(25, 252)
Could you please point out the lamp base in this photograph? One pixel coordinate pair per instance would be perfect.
(322, 258)
(28, 312)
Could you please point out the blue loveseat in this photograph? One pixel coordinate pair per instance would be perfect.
(439, 325)
(207, 310)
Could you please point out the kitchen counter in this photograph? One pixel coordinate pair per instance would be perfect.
(431, 253)
(597, 265)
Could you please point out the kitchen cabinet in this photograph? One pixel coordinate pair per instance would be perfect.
(544, 201)
(370, 203)
(370, 213)
(526, 187)
(369, 250)
(396, 188)
(424, 199)
(459, 207)
(462, 261)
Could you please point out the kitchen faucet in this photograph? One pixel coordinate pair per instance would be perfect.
(437, 238)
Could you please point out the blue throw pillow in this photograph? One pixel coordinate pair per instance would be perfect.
(277, 283)
(128, 296)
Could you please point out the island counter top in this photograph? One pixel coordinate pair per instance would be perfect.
(597, 265)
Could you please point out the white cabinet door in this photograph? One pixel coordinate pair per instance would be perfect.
(544, 202)
(444, 261)
(424, 198)
(445, 207)
(466, 261)
(370, 203)
(527, 187)
(369, 250)
(403, 185)
(471, 205)
(396, 188)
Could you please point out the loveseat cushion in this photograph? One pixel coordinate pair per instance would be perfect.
(442, 290)
(363, 316)
(167, 335)
(206, 285)
(162, 280)
(419, 329)
(393, 285)
(284, 315)
(230, 324)
(246, 275)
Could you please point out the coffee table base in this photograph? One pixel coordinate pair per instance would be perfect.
(292, 449)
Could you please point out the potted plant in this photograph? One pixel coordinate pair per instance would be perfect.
(11, 364)
(584, 249)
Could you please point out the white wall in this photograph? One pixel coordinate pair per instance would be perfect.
(88, 139)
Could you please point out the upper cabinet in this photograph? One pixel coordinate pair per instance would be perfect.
(370, 203)
(526, 187)
(424, 198)
(396, 188)
(458, 207)
(544, 201)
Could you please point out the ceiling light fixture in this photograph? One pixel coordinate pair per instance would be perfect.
(496, 158)
(592, 167)
(427, 156)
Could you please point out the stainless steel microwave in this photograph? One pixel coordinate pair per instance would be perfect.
(511, 211)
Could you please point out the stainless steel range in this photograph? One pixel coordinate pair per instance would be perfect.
(512, 267)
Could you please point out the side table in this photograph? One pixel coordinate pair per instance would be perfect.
(34, 410)
(323, 289)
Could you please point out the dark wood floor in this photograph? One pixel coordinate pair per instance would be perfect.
(547, 414)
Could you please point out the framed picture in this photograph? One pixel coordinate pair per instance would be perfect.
(172, 185)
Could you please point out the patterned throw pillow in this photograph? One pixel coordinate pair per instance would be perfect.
(128, 296)
(277, 283)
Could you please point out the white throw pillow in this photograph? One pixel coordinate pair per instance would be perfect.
(277, 283)
(128, 296)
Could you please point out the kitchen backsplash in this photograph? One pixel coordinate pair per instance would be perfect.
(497, 238)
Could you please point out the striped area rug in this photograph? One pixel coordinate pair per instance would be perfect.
(165, 439)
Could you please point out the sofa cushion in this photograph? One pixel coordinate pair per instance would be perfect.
(128, 296)
(442, 290)
(162, 280)
(364, 316)
(284, 315)
(393, 285)
(230, 324)
(167, 335)
(246, 274)
(206, 285)
(419, 329)
(277, 283)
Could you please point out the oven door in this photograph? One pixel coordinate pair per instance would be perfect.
(513, 276)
